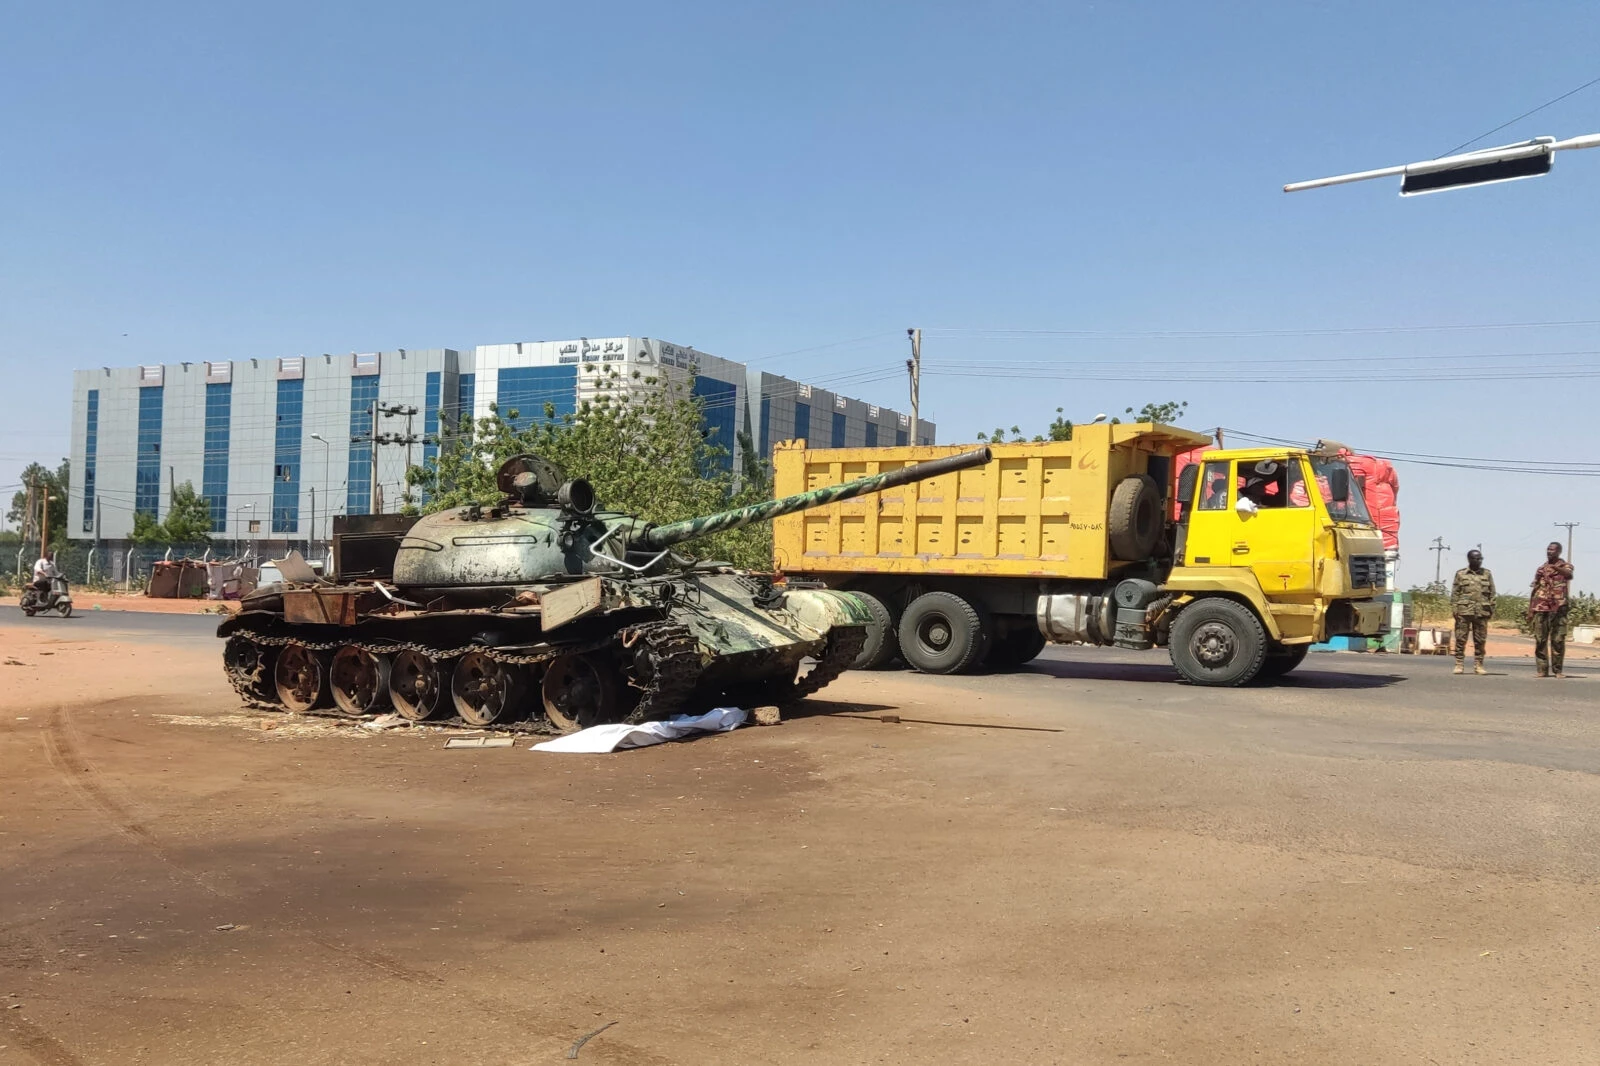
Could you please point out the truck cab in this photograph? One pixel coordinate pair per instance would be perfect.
(1283, 532)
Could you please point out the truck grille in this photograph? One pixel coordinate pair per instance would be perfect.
(1366, 571)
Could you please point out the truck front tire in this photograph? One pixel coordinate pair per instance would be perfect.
(942, 633)
(1218, 642)
(882, 643)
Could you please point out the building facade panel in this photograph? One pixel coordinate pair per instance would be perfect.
(267, 440)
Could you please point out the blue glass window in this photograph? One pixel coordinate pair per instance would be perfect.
(430, 422)
(526, 389)
(838, 429)
(286, 457)
(718, 402)
(899, 438)
(214, 471)
(91, 441)
(802, 422)
(466, 389)
(766, 426)
(872, 434)
(363, 394)
(147, 464)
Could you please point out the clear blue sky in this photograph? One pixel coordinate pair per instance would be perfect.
(226, 181)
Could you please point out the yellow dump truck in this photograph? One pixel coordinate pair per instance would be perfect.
(1238, 564)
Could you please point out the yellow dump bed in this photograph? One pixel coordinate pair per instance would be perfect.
(1035, 510)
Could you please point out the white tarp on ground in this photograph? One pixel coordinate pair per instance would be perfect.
(599, 739)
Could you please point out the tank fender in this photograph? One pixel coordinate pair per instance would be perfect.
(822, 609)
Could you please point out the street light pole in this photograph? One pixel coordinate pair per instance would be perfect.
(325, 450)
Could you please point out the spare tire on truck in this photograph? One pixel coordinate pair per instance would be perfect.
(1134, 520)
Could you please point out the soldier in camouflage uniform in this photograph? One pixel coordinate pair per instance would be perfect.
(1472, 602)
(1547, 611)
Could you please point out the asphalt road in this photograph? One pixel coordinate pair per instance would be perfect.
(186, 630)
(1370, 862)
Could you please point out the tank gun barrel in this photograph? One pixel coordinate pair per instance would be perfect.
(658, 537)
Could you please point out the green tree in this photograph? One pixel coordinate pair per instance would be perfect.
(188, 520)
(188, 517)
(56, 482)
(1061, 427)
(641, 442)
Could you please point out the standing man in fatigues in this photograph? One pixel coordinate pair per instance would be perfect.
(1547, 611)
(1472, 602)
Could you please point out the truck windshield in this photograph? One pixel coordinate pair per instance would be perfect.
(1352, 510)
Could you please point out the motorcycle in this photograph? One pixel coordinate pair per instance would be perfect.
(58, 599)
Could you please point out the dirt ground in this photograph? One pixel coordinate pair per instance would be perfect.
(1086, 863)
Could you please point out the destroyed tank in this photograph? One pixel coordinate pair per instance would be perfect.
(542, 612)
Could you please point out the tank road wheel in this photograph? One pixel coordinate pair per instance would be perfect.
(1218, 642)
(249, 668)
(1283, 659)
(485, 690)
(941, 633)
(301, 678)
(580, 691)
(882, 644)
(416, 685)
(360, 681)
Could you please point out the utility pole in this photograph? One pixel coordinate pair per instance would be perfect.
(914, 366)
(1569, 526)
(408, 438)
(1439, 547)
(44, 519)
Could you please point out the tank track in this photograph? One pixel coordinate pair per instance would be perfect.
(674, 660)
(844, 644)
(252, 685)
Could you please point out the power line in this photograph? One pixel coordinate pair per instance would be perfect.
(1525, 114)
(1236, 333)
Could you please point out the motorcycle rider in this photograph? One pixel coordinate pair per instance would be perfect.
(44, 572)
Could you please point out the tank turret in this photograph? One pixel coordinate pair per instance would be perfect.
(547, 529)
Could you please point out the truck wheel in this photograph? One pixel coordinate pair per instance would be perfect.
(941, 633)
(1017, 647)
(883, 643)
(1134, 521)
(1218, 642)
(1284, 659)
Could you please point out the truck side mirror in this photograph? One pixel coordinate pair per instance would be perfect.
(1339, 484)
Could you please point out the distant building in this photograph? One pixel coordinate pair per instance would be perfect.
(277, 446)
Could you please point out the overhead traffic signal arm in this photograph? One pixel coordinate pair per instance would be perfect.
(1487, 166)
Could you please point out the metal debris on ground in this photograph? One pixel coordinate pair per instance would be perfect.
(478, 742)
(572, 1052)
(384, 721)
(618, 736)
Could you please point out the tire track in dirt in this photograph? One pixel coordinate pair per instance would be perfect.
(66, 755)
(35, 1041)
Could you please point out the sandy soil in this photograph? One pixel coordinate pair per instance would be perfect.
(1074, 867)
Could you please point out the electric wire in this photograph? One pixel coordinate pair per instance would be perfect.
(1519, 118)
